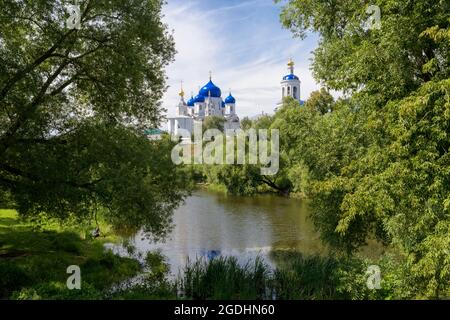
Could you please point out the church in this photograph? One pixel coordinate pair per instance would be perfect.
(208, 102)
(290, 85)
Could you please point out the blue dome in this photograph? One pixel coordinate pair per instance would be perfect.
(210, 88)
(190, 102)
(230, 99)
(199, 98)
(290, 77)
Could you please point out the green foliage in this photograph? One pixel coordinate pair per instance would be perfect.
(315, 277)
(239, 180)
(214, 122)
(13, 277)
(385, 63)
(57, 291)
(245, 179)
(153, 284)
(321, 101)
(223, 278)
(157, 265)
(33, 263)
(378, 165)
(431, 264)
(246, 123)
(73, 108)
(294, 277)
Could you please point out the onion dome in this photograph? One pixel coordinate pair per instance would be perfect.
(210, 89)
(199, 98)
(230, 99)
(290, 77)
(190, 102)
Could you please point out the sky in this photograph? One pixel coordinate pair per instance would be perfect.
(244, 46)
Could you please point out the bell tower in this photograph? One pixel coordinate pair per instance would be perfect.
(290, 84)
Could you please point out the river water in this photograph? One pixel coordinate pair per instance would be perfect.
(211, 224)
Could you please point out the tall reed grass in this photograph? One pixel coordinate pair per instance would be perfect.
(295, 277)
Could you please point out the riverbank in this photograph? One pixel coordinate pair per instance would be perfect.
(216, 187)
(34, 259)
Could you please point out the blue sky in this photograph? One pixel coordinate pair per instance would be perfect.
(245, 47)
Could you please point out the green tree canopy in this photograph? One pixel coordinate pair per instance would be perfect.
(73, 106)
(384, 63)
(378, 165)
(214, 122)
(321, 101)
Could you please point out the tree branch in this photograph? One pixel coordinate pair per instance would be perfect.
(8, 137)
(273, 185)
(19, 75)
(23, 174)
(38, 61)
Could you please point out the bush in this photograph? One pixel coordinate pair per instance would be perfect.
(11, 278)
(57, 291)
(107, 269)
(68, 242)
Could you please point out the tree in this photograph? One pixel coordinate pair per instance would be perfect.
(379, 164)
(321, 101)
(385, 63)
(246, 179)
(214, 122)
(246, 123)
(73, 106)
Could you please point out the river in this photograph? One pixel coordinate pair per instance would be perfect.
(210, 224)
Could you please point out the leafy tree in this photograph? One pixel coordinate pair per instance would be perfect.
(245, 179)
(73, 106)
(214, 122)
(384, 63)
(404, 184)
(246, 123)
(378, 165)
(321, 101)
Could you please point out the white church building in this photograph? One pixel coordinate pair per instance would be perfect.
(208, 102)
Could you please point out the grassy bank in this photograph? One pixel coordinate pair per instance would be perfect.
(34, 259)
(295, 277)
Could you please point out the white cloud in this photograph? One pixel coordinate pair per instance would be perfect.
(244, 54)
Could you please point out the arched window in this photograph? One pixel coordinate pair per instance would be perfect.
(288, 91)
(295, 93)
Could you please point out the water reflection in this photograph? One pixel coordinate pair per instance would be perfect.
(211, 224)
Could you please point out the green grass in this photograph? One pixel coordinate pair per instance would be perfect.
(213, 187)
(34, 259)
(154, 283)
(295, 277)
(223, 278)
